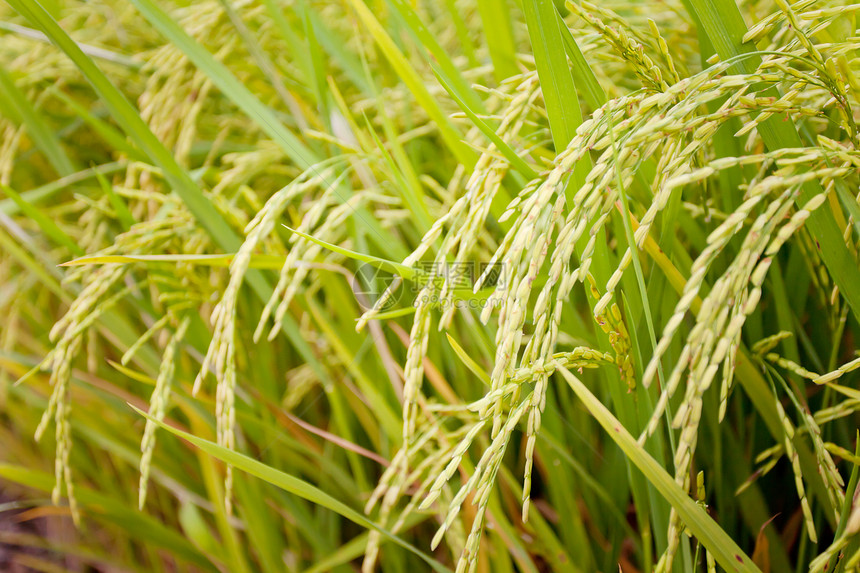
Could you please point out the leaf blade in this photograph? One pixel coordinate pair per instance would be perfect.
(292, 485)
(721, 546)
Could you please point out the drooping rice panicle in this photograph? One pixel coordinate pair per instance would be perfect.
(445, 143)
(158, 406)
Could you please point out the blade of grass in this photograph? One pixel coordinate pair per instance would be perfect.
(517, 162)
(240, 95)
(259, 56)
(470, 363)
(48, 279)
(227, 83)
(271, 262)
(462, 32)
(33, 196)
(292, 485)
(437, 56)
(499, 35)
(92, 51)
(113, 137)
(211, 476)
(405, 177)
(125, 217)
(353, 549)
(131, 122)
(404, 271)
(592, 92)
(410, 77)
(559, 90)
(318, 65)
(45, 223)
(111, 510)
(721, 546)
(42, 136)
(297, 51)
(341, 51)
(845, 512)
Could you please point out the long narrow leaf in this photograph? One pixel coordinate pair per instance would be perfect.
(42, 135)
(721, 546)
(110, 509)
(292, 485)
(272, 262)
(450, 134)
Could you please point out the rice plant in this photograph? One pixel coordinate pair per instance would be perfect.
(470, 285)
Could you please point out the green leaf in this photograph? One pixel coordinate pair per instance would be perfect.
(23, 111)
(292, 485)
(407, 182)
(705, 529)
(113, 137)
(404, 271)
(9, 207)
(850, 492)
(46, 224)
(440, 58)
(592, 92)
(470, 363)
(559, 90)
(517, 162)
(499, 34)
(850, 203)
(48, 278)
(123, 214)
(396, 313)
(272, 262)
(114, 512)
(263, 116)
(449, 133)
